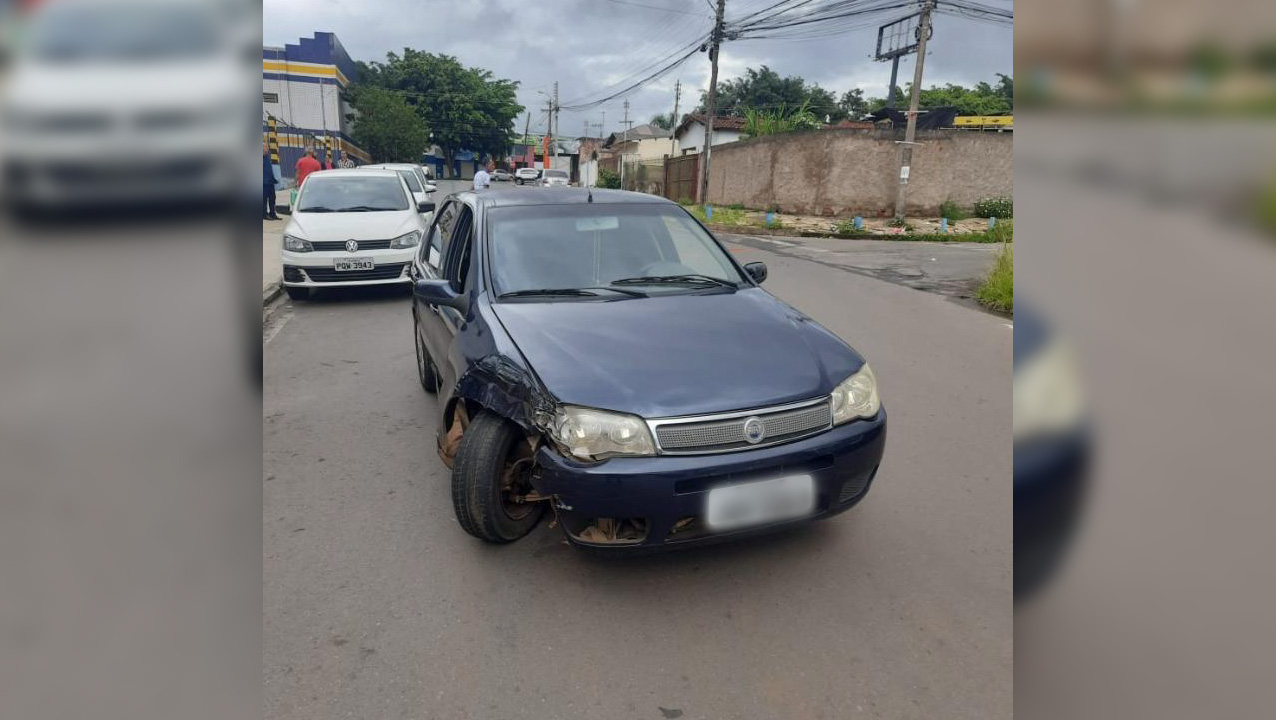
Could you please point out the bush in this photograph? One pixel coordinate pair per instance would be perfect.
(608, 179)
(952, 210)
(686, 201)
(998, 289)
(998, 207)
(1002, 232)
(736, 206)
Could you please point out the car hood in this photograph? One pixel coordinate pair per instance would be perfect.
(352, 225)
(676, 355)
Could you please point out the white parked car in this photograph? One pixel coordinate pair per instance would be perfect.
(526, 175)
(352, 227)
(414, 175)
(135, 101)
(554, 178)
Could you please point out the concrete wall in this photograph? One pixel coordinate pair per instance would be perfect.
(844, 172)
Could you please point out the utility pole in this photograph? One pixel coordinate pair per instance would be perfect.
(626, 123)
(555, 116)
(711, 105)
(906, 151)
(527, 126)
(673, 124)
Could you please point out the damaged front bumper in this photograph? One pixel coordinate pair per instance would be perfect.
(647, 502)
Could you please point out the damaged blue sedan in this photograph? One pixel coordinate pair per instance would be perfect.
(599, 355)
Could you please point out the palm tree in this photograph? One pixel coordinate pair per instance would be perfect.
(664, 121)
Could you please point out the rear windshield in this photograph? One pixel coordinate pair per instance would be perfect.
(351, 193)
(128, 32)
(556, 173)
(590, 246)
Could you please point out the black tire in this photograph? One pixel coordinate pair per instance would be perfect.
(297, 293)
(425, 369)
(477, 479)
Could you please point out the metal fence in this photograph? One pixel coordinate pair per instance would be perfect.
(681, 176)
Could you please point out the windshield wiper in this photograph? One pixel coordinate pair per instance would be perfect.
(674, 279)
(317, 208)
(581, 292)
(368, 208)
(535, 292)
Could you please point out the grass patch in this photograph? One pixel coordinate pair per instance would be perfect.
(998, 289)
(721, 215)
(1003, 231)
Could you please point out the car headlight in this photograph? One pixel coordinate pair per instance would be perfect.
(1047, 393)
(856, 397)
(296, 244)
(406, 240)
(590, 434)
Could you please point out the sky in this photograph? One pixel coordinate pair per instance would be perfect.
(587, 46)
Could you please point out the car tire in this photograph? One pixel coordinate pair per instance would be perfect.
(297, 293)
(426, 372)
(479, 498)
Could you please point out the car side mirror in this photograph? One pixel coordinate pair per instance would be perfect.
(757, 271)
(425, 206)
(429, 188)
(440, 292)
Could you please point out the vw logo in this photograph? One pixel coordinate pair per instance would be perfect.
(352, 246)
(754, 430)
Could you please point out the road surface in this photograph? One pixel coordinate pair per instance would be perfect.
(378, 605)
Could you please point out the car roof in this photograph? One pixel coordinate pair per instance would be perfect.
(514, 197)
(364, 171)
(394, 166)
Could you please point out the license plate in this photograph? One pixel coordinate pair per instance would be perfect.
(345, 264)
(758, 503)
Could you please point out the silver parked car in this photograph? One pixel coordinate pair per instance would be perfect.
(554, 178)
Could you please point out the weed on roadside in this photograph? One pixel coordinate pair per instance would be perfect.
(998, 289)
(952, 210)
(1002, 232)
(998, 207)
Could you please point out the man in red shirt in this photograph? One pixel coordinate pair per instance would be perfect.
(306, 165)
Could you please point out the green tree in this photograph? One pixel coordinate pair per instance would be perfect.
(853, 104)
(764, 89)
(664, 121)
(460, 107)
(387, 126)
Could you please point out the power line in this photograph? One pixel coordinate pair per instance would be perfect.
(657, 7)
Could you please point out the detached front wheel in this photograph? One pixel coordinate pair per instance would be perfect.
(491, 480)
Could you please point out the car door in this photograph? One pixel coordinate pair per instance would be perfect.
(428, 264)
(456, 266)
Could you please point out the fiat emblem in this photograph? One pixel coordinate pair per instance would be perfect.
(754, 430)
(352, 246)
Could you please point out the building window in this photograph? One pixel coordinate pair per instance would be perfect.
(270, 97)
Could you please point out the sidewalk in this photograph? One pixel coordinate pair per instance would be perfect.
(272, 268)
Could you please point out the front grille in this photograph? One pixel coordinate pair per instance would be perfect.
(330, 245)
(854, 487)
(726, 434)
(380, 272)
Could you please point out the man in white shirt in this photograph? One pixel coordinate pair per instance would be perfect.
(483, 178)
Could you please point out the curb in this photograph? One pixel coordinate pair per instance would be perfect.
(271, 292)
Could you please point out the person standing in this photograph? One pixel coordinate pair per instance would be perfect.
(268, 183)
(483, 178)
(306, 165)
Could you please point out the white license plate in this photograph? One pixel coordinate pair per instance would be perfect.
(758, 503)
(344, 264)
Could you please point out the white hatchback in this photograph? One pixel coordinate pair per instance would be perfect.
(352, 227)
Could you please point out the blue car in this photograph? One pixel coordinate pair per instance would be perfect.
(599, 355)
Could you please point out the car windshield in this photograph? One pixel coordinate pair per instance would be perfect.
(651, 248)
(351, 193)
(411, 179)
(129, 32)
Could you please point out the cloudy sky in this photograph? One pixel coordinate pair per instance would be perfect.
(587, 46)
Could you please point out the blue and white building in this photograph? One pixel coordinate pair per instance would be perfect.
(301, 88)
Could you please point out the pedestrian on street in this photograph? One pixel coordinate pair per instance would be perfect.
(483, 178)
(306, 165)
(268, 183)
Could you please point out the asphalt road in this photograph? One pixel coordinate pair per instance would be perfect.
(378, 605)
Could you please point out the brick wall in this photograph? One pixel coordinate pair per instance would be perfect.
(843, 172)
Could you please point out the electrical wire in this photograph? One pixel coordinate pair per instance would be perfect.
(657, 7)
